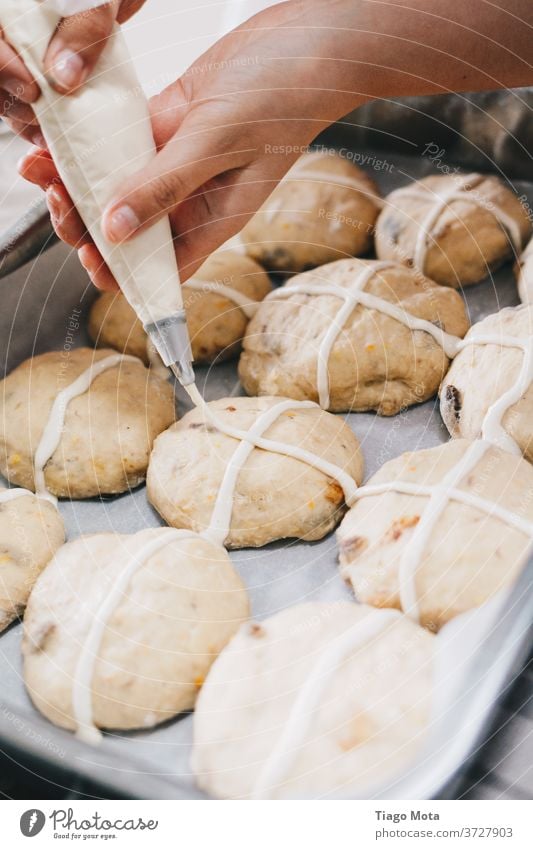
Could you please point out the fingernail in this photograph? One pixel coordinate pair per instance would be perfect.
(53, 202)
(83, 259)
(68, 69)
(39, 140)
(121, 223)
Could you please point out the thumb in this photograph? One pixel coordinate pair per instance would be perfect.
(179, 170)
(76, 46)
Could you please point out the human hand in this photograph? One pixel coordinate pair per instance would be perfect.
(232, 126)
(215, 130)
(71, 56)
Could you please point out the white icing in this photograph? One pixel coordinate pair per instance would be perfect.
(53, 429)
(351, 297)
(220, 524)
(84, 670)
(248, 307)
(492, 428)
(438, 500)
(440, 200)
(439, 496)
(307, 702)
(11, 494)
(471, 499)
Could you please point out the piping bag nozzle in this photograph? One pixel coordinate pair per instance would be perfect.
(170, 337)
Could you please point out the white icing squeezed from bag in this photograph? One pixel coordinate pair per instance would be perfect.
(441, 200)
(53, 429)
(220, 524)
(246, 304)
(300, 717)
(352, 297)
(84, 670)
(11, 494)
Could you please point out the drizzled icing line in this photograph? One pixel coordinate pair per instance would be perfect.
(492, 428)
(440, 201)
(301, 715)
(247, 305)
(439, 496)
(53, 429)
(220, 523)
(352, 297)
(84, 670)
(12, 494)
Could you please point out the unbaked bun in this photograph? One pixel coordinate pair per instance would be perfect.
(324, 209)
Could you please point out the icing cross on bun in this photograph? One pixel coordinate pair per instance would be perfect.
(320, 700)
(455, 228)
(439, 531)
(81, 423)
(488, 391)
(219, 301)
(247, 471)
(324, 209)
(120, 630)
(354, 335)
(31, 531)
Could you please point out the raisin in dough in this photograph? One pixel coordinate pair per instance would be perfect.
(120, 630)
(273, 496)
(31, 531)
(108, 432)
(319, 700)
(435, 560)
(524, 275)
(454, 228)
(215, 320)
(324, 209)
(373, 361)
(482, 374)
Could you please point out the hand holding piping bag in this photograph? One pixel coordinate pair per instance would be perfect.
(230, 128)
(71, 57)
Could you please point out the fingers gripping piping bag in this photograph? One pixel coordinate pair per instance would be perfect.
(98, 137)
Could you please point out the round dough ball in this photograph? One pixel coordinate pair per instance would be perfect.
(524, 275)
(216, 323)
(275, 496)
(108, 433)
(481, 374)
(470, 554)
(376, 363)
(466, 241)
(179, 609)
(308, 222)
(31, 531)
(362, 721)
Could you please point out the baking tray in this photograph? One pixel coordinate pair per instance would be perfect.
(38, 302)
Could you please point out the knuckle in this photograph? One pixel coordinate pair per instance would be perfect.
(166, 189)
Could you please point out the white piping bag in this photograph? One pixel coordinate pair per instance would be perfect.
(98, 137)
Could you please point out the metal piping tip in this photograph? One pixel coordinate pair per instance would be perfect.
(183, 372)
